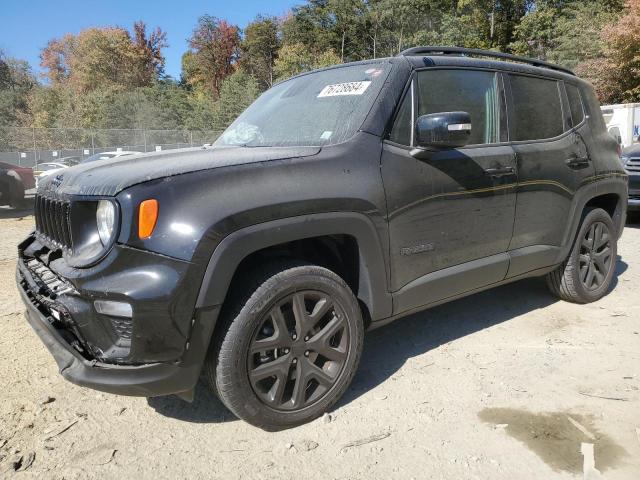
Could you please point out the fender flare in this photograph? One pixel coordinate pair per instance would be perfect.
(610, 184)
(372, 288)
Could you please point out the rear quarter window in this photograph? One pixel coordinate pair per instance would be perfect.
(575, 104)
(592, 110)
(537, 108)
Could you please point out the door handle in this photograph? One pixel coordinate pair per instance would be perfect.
(578, 162)
(500, 171)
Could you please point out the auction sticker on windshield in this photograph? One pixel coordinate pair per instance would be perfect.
(349, 88)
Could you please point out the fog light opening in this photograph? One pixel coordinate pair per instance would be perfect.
(113, 308)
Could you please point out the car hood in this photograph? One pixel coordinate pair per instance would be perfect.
(111, 176)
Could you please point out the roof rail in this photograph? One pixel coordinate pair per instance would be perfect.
(481, 53)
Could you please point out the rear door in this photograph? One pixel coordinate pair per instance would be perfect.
(548, 131)
(458, 206)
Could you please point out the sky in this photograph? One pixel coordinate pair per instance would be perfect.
(27, 26)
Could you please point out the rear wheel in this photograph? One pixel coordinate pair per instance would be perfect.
(587, 273)
(289, 349)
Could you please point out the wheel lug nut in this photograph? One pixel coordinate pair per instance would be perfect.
(294, 336)
(306, 338)
(306, 354)
(286, 350)
(295, 360)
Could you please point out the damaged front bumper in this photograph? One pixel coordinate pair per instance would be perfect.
(158, 351)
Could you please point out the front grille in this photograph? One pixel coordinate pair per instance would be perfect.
(49, 284)
(53, 220)
(633, 165)
(42, 288)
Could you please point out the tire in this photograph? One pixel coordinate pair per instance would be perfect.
(573, 281)
(16, 196)
(296, 321)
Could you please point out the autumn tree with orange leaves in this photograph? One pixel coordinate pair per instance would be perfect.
(214, 50)
(105, 57)
(616, 74)
(113, 77)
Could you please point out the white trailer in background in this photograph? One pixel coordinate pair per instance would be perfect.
(623, 122)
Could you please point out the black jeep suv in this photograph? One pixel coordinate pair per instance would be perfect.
(341, 200)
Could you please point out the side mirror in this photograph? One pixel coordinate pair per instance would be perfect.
(443, 130)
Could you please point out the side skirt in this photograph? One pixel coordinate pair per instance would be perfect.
(450, 282)
(469, 278)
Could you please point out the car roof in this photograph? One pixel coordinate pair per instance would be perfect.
(11, 166)
(619, 106)
(476, 52)
(423, 57)
(422, 61)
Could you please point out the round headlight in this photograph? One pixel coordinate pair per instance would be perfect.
(106, 220)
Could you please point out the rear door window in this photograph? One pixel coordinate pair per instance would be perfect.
(537, 108)
(575, 104)
(478, 93)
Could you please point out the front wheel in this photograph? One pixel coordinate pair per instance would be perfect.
(587, 273)
(288, 352)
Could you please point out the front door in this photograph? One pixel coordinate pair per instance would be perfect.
(450, 215)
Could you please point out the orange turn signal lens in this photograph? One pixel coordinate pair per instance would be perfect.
(147, 218)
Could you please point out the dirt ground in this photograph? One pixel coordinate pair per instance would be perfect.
(505, 384)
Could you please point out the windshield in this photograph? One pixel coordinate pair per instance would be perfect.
(322, 108)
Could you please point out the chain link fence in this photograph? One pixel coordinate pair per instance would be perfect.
(28, 147)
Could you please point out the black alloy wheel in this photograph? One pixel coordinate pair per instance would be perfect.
(298, 351)
(288, 344)
(595, 256)
(587, 273)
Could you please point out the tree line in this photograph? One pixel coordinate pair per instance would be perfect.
(112, 77)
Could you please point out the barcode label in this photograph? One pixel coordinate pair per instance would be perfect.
(350, 88)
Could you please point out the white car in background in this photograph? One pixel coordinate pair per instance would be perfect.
(42, 170)
(51, 167)
(106, 155)
(623, 123)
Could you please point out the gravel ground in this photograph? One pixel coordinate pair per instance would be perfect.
(505, 384)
